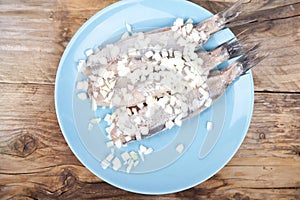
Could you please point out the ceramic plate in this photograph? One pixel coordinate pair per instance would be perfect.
(165, 170)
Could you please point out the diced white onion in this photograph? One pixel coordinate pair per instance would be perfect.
(81, 65)
(109, 144)
(128, 27)
(89, 52)
(94, 104)
(90, 126)
(148, 151)
(82, 85)
(169, 124)
(95, 120)
(178, 22)
(180, 148)
(133, 155)
(209, 126)
(125, 156)
(105, 164)
(82, 96)
(116, 163)
(149, 54)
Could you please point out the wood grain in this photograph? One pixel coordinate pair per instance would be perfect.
(37, 32)
(35, 161)
(32, 138)
(43, 33)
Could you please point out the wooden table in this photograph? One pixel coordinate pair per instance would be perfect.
(35, 161)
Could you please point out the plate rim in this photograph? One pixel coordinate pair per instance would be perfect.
(60, 120)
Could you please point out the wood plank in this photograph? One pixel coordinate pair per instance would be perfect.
(37, 32)
(28, 34)
(266, 166)
(35, 161)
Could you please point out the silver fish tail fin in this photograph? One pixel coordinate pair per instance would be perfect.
(234, 70)
(251, 58)
(221, 20)
(235, 47)
(232, 12)
(229, 15)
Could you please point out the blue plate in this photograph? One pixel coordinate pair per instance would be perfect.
(165, 170)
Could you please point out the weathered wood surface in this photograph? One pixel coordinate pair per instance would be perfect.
(35, 161)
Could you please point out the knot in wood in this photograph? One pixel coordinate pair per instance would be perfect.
(296, 150)
(239, 196)
(262, 136)
(67, 178)
(24, 145)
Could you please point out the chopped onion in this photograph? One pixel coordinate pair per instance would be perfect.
(180, 148)
(89, 52)
(116, 163)
(110, 143)
(82, 85)
(90, 126)
(105, 164)
(129, 28)
(209, 126)
(148, 151)
(82, 96)
(133, 155)
(125, 156)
